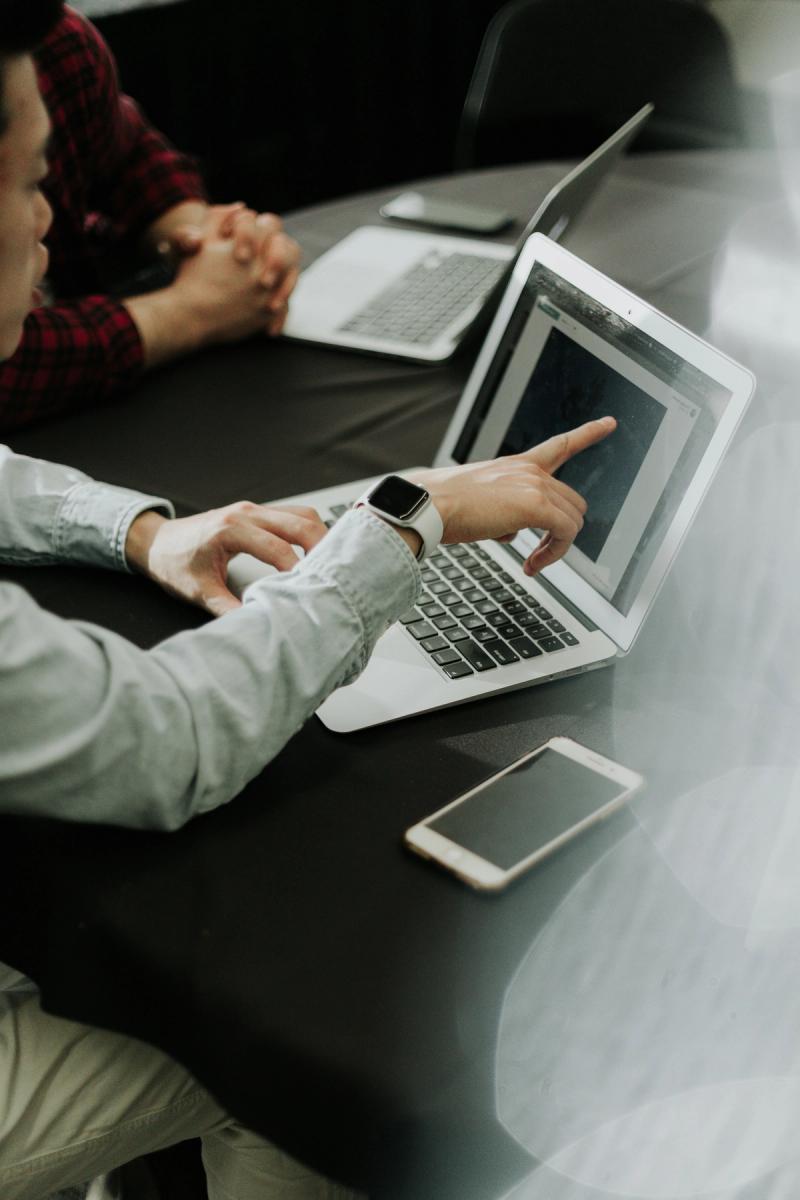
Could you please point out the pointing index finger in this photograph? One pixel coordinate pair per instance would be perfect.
(553, 453)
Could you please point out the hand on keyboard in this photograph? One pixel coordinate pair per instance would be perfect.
(190, 557)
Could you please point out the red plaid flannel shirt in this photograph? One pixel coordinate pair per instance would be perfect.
(111, 175)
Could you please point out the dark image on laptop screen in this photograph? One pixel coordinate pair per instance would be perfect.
(569, 386)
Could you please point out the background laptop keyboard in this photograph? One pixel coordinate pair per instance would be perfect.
(472, 616)
(424, 301)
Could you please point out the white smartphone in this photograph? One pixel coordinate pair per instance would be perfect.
(445, 214)
(493, 833)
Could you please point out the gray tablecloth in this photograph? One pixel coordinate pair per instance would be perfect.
(346, 999)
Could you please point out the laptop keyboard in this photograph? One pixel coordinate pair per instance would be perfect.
(472, 616)
(424, 301)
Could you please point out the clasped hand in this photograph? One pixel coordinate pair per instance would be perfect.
(238, 266)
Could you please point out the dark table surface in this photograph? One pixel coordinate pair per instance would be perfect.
(335, 993)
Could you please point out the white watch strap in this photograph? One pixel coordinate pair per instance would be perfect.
(430, 527)
(427, 523)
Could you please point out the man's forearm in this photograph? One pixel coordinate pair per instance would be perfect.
(167, 328)
(151, 738)
(53, 513)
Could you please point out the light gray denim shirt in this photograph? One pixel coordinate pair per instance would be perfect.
(92, 728)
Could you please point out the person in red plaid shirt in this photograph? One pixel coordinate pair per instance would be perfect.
(115, 184)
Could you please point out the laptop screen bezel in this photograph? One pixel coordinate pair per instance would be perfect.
(622, 628)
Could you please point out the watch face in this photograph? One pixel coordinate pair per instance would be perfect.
(398, 498)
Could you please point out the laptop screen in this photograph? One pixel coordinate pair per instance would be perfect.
(565, 359)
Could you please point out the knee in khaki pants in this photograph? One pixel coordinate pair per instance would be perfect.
(75, 1102)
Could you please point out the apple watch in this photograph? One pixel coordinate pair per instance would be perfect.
(403, 503)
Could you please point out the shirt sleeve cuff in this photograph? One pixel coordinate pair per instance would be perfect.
(93, 520)
(374, 572)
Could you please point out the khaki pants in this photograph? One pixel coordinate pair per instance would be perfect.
(75, 1102)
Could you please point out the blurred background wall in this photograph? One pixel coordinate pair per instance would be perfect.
(765, 36)
(290, 103)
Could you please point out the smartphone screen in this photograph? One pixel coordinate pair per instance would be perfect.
(517, 813)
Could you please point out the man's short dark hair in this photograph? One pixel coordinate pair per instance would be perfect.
(23, 25)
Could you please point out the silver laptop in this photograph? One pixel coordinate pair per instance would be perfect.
(566, 345)
(417, 295)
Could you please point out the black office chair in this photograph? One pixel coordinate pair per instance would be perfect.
(556, 77)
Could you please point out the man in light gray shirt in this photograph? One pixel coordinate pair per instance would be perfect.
(83, 713)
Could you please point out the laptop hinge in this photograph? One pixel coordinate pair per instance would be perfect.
(554, 592)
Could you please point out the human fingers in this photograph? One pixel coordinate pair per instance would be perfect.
(298, 524)
(553, 453)
(268, 224)
(185, 241)
(280, 258)
(564, 524)
(279, 299)
(277, 320)
(268, 532)
(561, 521)
(246, 238)
(223, 217)
(550, 549)
(267, 545)
(279, 302)
(570, 502)
(567, 493)
(219, 299)
(266, 227)
(546, 552)
(187, 557)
